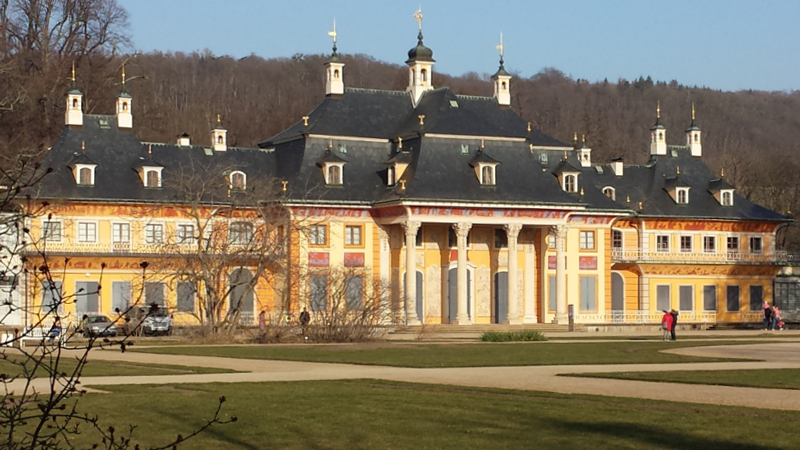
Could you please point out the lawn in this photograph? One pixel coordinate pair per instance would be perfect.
(95, 368)
(759, 378)
(458, 355)
(369, 414)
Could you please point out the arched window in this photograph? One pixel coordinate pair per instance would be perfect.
(334, 175)
(487, 175)
(503, 86)
(336, 74)
(660, 136)
(424, 73)
(683, 196)
(610, 192)
(124, 106)
(85, 176)
(390, 176)
(570, 183)
(219, 139)
(696, 137)
(727, 199)
(152, 179)
(238, 181)
(74, 103)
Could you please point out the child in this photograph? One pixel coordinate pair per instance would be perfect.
(666, 325)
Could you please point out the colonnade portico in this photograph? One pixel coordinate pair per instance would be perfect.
(465, 311)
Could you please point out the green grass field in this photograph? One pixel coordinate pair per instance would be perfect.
(369, 414)
(108, 368)
(457, 355)
(759, 378)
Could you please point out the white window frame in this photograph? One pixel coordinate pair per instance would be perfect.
(78, 178)
(621, 235)
(233, 185)
(147, 171)
(570, 182)
(314, 236)
(349, 236)
(610, 192)
(760, 240)
(241, 233)
(722, 197)
(327, 173)
(147, 232)
(587, 243)
(45, 233)
(709, 248)
(180, 233)
(682, 196)
(728, 240)
(662, 248)
(117, 239)
(391, 173)
(86, 240)
(691, 243)
(487, 170)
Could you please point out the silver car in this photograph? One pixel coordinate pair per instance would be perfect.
(99, 325)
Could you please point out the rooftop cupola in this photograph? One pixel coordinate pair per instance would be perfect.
(584, 153)
(420, 62)
(73, 115)
(658, 135)
(124, 101)
(219, 137)
(502, 80)
(334, 69)
(693, 140)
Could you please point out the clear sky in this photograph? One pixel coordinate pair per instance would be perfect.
(722, 44)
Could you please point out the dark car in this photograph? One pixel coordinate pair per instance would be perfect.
(98, 325)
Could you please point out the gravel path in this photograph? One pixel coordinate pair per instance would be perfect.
(538, 378)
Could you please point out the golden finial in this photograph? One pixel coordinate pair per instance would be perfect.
(218, 120)
(421, 119)
(565, 155)
(399, 142)
(529, 127)
(640, 206)
(402, 185)
(305, 121)
(677, 170)
(83, 146)
(333, 33)
(581, 192)
(284, 183)
(575, 136)
(149, 149)
(123, 75)
(500, 47)
(692, 111)
(658, 109)
(483, 144)
(330, 144)
(73, 71)
(418, 16)
(583, 139)
(628, 199)
(530, 146)
(722, 173)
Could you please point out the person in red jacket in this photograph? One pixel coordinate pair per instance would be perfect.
(666, 325)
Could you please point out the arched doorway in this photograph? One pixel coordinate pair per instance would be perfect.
(617, 297)
(242, 295)
(500, 297)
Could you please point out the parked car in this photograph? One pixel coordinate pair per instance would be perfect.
(147, 320)
(98, 325)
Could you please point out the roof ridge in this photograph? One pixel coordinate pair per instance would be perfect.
(475, 97)
(388, 91)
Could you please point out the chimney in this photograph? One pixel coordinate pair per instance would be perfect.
(617, 166)
(184, 141)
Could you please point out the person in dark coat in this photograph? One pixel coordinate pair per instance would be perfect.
(674, 315)
(767, 316)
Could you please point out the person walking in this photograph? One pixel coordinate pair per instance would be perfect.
(767, 316)
(666, 325)
(776, 318)
(674, 325)
(262, 321)
(305, 319)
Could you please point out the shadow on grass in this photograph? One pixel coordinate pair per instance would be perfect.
(645, 437)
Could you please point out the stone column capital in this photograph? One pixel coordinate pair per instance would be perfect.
(512, 231)
(462, 229)
(411, 227)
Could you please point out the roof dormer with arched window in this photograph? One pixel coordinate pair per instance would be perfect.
(567, 176)
(237, 180)
(332, 168)
(83, 168)
(485, 168)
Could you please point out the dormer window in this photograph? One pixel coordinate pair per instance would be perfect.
(487, 175)
(238, 181)
(682, 196)
(570, 183)
(726, 197)
(391, 174)
(84, 174)
(152, 178)
(610, 192)
(333, 174)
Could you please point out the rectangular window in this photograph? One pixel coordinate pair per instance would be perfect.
(154, 233)
(240, 233)
(185, 296)
(756, 297)
(52, 301)
(87, 232)
(121, 232)
(755, 245)
(120, 296)
(154, 294)
(732, 297)
(686, 298)
(709, 244)
(51, 231)
(709, 298)
(733, 245)
(686, 244)
(662, 243)
(318, 235)
(663, 300)
(500, 238)
(587, 240)
(352, 235)
(318, 287)
(185, 234)
(588, 294)
(552, 291)
(354, 292)
(616, 239)
(87, 297)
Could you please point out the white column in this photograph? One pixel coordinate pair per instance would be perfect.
(512, 232)
(411, 228)
(385, 269)
(561, 275)
(462, 231)
(529, 276)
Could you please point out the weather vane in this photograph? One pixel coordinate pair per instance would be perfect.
(500, 47)
(658, 109)
(418, 16)
(123, 74)
(333, 34)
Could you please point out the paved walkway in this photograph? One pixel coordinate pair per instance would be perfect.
(773, 355)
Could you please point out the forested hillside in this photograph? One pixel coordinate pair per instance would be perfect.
(753, 136)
